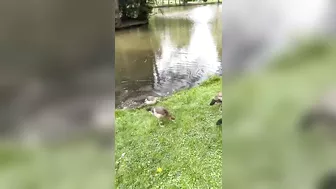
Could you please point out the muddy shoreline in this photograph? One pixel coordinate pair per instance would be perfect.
(131, 24)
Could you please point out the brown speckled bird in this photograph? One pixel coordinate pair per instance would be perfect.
(160, 113)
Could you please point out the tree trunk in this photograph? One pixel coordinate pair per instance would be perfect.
(117, 14)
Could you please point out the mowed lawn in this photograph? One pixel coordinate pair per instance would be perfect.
(184, 154)
(263, 146)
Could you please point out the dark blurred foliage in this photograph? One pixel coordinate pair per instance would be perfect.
(135, 9)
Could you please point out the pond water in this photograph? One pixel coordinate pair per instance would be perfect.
(176, 50)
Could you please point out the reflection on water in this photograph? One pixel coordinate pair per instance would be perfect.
(177, 50)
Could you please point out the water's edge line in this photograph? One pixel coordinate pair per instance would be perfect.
(163, 98)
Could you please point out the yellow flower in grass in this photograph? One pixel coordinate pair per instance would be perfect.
(159, 170)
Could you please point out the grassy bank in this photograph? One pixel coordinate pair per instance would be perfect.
(261, 142)
(188, 153)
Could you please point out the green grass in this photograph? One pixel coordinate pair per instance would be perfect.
(262, 147)
(188, 151)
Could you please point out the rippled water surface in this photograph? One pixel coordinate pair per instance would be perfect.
(177, 50)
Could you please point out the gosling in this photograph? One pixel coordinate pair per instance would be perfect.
(150, 100)
(160, 113)
(217, 99)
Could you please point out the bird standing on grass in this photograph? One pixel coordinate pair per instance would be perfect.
(217, 99)
(160, 113)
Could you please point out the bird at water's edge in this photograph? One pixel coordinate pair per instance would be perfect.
(150, 100)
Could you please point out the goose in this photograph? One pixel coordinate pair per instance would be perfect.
(217, 99)
(150, 100)
(160, 113)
